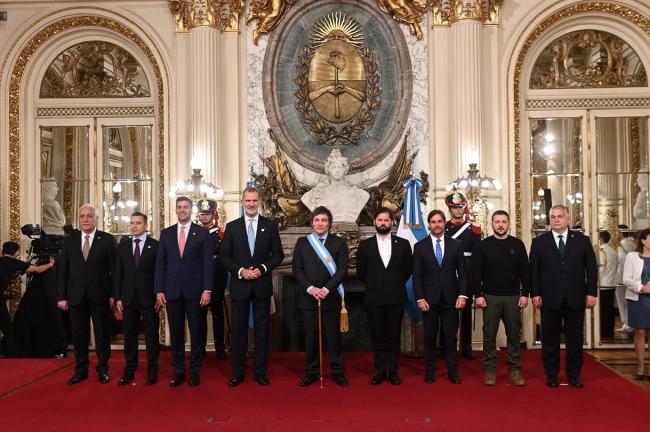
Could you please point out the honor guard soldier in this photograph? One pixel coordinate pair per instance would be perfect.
(209, 220)
(461, 227)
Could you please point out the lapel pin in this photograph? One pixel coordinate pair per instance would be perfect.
(193, 233)
(148, 247)
(262, 229)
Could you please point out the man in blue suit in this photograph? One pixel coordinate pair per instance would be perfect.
(183, 284)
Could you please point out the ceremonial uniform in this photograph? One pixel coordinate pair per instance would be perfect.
(468, 233)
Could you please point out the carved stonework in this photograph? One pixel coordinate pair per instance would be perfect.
(222, 15)
(280, 193)
(338, 82)
(267, 13)
(447, 12)
(588, 59)
(409, 12)
(94, 69)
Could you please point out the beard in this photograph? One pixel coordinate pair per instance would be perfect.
(382, 229)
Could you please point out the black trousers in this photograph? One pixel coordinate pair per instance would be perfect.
(447, 315)
(80, 316)
(330, 320)
(607, 314)
(466, 326)
(261, 320)
(177, 311)
(573, 331)
(131, 324)
(216, 308)
(385, 331)
(7, 345)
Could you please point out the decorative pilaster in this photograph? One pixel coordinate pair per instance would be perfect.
(204, 98)
(467, 119)
(447, 12)
(222, 15)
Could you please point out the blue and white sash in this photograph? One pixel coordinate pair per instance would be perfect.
(326, 259)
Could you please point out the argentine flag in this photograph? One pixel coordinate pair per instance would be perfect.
(412, 228)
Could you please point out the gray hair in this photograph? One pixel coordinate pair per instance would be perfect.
(90, 206)
(560, 207)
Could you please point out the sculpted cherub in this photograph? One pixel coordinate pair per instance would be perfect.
(268, 14)
(407, 11)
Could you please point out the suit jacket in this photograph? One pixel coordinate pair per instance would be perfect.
(309, 270)
(235, 255)
(384, 285)
(555, 278)
(92, 277)
(189, 275)
(133, 283)
(439, 284)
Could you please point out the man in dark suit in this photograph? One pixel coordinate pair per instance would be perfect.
(84, 287)
(134, 277)
(320, 284)
(209, 220)
(440, 285)
(564, 277)
(250, 250)
(384, 265)
(183, 284)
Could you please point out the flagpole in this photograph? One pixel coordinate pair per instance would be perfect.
(320, 344)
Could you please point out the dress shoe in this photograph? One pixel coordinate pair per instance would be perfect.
(235, 381)
(468, 354)
(177, 380)
(308, 380)
(394, 379)
(262, 380)
(126, 378)
(341, 380)
(429, 378)
(490, 378)
(151, 380)
(516, 379)
(76, 379)
(195, 380)
(575, 382)
(454, 378)
(378, 378)
(552, 382)
(103, 378)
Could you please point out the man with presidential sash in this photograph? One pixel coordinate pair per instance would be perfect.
(320, 262)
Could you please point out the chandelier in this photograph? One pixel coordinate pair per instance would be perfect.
(195, 187)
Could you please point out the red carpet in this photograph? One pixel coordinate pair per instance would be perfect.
(16, 373)
(607, 402)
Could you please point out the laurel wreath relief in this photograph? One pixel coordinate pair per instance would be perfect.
(325, 133)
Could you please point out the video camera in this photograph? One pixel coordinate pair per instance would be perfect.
(43, 245)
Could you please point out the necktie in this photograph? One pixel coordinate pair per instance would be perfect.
(251, 236)
(86, 247)
(322, 240)
(438, 252)
(561, 245)
(181, 240)
(136, 254)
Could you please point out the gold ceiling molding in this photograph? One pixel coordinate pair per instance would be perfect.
(409, 12)
(631, 15)
(222, 15)
(447, 12)
(17, 73)
(267, 13)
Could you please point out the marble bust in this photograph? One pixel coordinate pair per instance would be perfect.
(344, 200)
(52, 217)
(641, 203)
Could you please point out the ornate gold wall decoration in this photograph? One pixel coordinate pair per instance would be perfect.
(338, 82)
(588, 59)
(409, 12)
(267, 13)
(447, 12)
(631, 15)
(17, 73)
(95, 69)
(222, 15)
(68, 176)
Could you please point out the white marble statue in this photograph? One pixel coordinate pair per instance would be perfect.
(52, 217)
(344, 200)
(641, 204)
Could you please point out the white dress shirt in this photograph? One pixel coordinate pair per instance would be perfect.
(187, 230)
(564, 235)
(247, 221)
(322, 240)
(143, 238)
(385, 249)
(90, 240)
